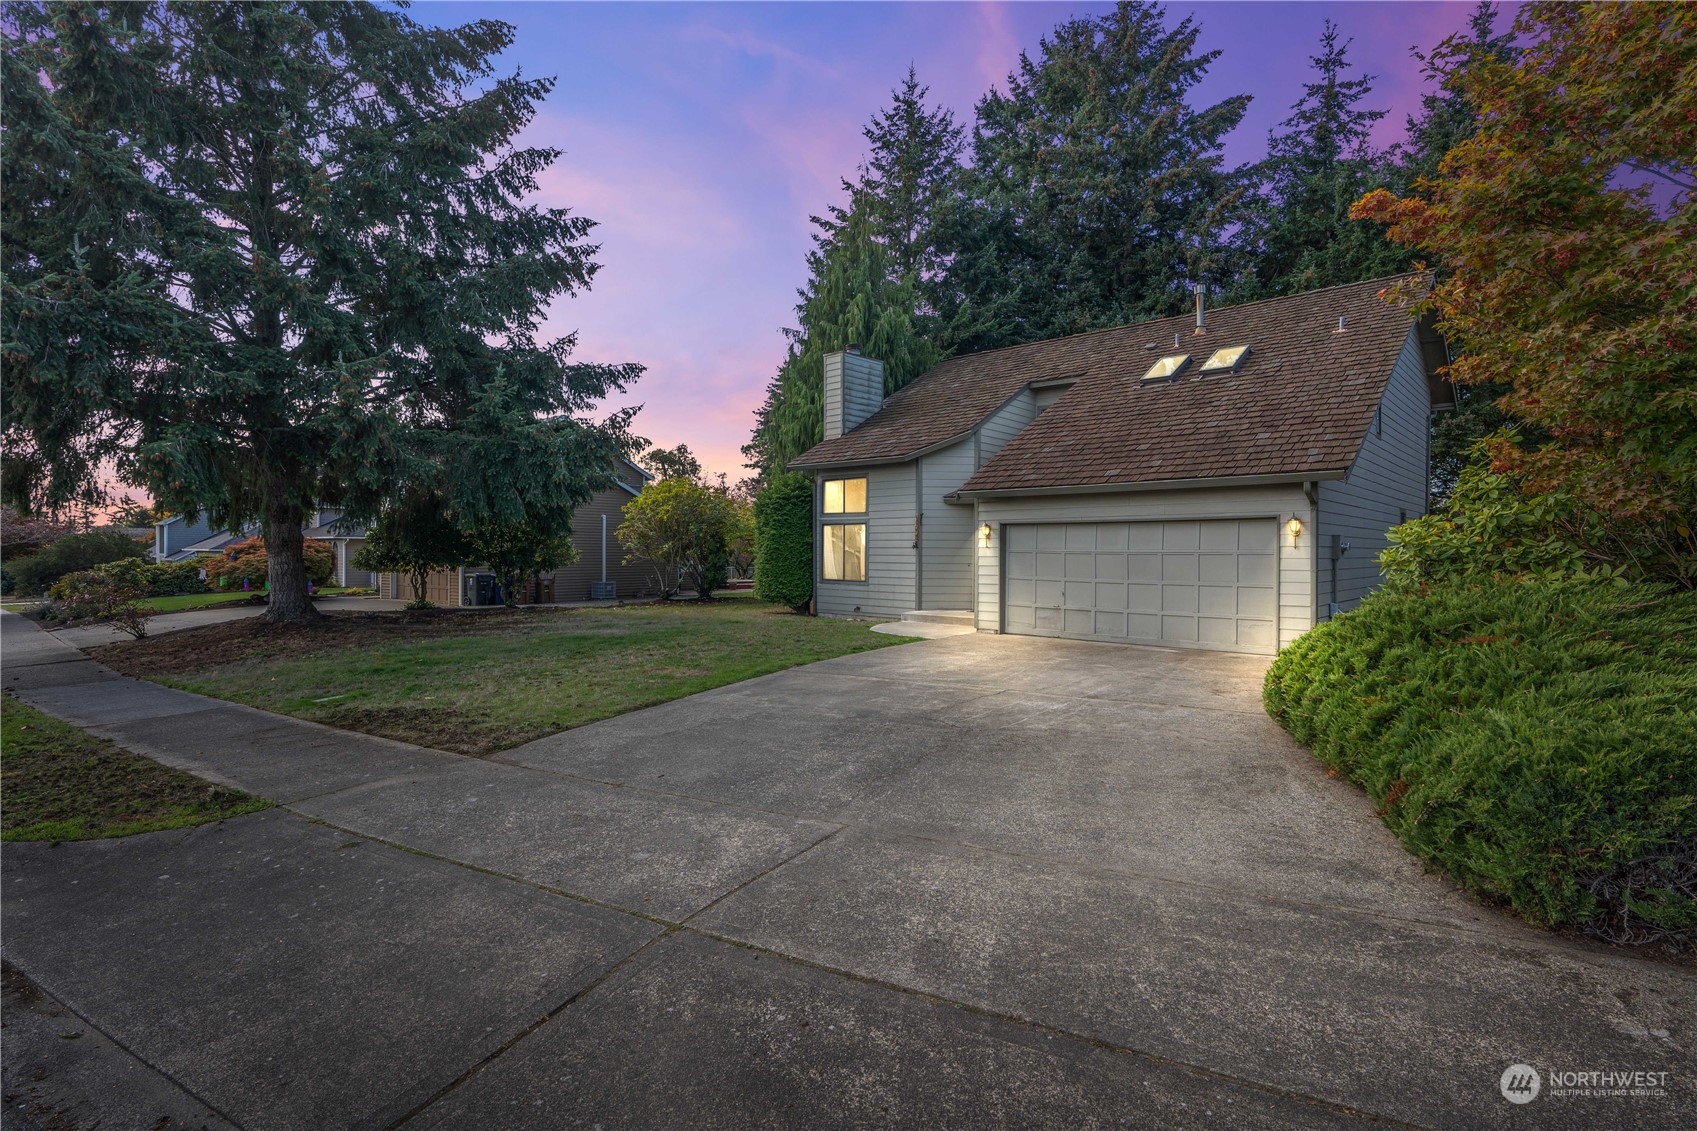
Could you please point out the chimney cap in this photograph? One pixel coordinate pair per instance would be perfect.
(853, 347)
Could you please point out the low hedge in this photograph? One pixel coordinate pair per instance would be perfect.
(156, 579)
(35, 574)
(1536, 740)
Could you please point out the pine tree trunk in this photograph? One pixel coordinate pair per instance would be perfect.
(286, 565)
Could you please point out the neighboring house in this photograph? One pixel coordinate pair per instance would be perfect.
(345, 541)
(600, 568)
(1219, 482)
(173, 537)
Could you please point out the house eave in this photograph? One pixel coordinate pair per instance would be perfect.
(1279, 480)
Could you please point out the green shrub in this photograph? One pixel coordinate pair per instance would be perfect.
(783, 541)
(155, 579)
(35, 574)
(1533, 739)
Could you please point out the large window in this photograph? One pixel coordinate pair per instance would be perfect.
(845, 549)
(845, 496)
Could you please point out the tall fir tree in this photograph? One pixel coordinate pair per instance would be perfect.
(1319, 162)
(1098, 195)
(265, 256)
(852, 301)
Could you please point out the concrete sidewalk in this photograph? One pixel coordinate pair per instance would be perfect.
(964, 883)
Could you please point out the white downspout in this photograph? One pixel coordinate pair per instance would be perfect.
(603, 549)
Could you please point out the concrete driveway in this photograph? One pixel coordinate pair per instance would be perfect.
(970, 882)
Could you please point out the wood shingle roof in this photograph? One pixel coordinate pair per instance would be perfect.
(1299, 405)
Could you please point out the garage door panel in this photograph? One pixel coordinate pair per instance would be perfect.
(1178, 567)
(1216, 600)
(1219, 536)
(1218, 569)
(1143, 536)
(1203, 583)
(1178, 599)
(1181, 535)
(1258, 603)
(1216, 630)
(1143, 567)
(1255, 636)
(1110, 595)
(1178, 630)
(1256, 569)
(1143, 626)
(1081, 537)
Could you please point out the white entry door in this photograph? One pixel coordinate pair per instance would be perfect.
(1204, 584)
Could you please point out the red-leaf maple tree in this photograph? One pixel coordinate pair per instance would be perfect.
(1566, 232)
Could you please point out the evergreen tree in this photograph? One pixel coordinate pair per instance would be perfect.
(1319, 163)
(1447, 116)
(1098, 194)
(911, 170)
(854, 302)
(266, 256)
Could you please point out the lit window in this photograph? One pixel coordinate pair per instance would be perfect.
(845, 496)
(1167, 367)
(1222, 360)
(845, 552)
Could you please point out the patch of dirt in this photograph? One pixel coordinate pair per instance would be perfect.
(441, 728)
(214, 645)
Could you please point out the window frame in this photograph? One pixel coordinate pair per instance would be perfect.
(843, 508)
(826, 558)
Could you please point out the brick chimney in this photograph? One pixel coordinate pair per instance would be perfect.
(854, 388)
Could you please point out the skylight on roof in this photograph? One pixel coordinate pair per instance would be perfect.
(1167, 367)
(1226, 359)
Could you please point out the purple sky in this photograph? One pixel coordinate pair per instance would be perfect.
(703, 136)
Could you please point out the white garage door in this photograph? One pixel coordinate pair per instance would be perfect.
(1211, 584)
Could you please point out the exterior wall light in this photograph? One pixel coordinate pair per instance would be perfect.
(987, 533)
(1295, 526)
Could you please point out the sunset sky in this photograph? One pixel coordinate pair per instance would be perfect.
(703, 136)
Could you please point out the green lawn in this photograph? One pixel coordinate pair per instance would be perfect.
(185, 601)
(477, 682)
(62, 783)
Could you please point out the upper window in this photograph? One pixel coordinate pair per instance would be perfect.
(1222, 360)
(1167, 367)
(845, 496)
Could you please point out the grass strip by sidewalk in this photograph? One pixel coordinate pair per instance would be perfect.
(61, 783)
(475, 681)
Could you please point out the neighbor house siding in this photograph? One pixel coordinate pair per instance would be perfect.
(890, 553)
(1296, 593)
(352, 575)
(1386, 485)
(946, 553)
(633, 579)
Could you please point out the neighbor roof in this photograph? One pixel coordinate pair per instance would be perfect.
(1299, 404)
